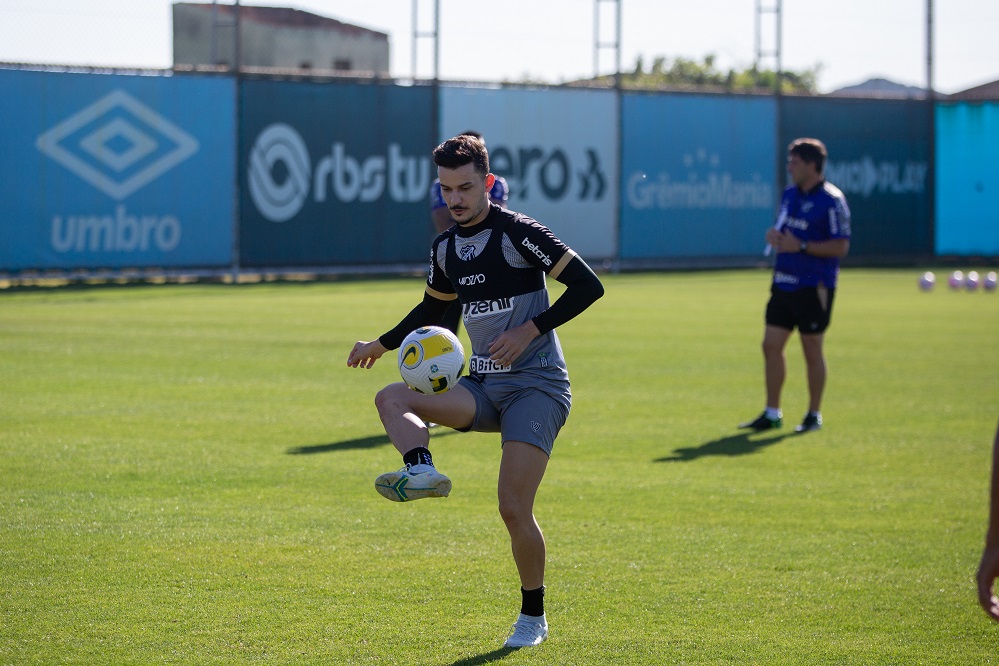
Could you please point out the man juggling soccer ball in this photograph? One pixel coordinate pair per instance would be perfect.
(494, 261)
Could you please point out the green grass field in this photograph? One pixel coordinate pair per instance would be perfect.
(187, 478)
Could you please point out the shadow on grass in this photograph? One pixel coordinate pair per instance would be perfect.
(734, 445)
(371, 442)
(487, 658)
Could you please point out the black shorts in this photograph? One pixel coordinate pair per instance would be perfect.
(809, 309)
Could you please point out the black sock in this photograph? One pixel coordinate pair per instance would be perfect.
(418, 456)
(533, 602)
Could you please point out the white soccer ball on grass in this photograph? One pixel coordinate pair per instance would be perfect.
(431, 359)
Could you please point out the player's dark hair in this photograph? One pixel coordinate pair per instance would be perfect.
(811, 151)
(461, 150)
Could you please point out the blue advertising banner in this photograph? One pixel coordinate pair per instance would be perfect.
(879, 156)
(557, 150)
(113, 171)
(967, 199)
(335, 174)
(697, 175)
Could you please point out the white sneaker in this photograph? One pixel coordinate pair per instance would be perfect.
(527, 632)
(413, 482)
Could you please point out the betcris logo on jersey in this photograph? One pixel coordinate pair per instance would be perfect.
(537, 251)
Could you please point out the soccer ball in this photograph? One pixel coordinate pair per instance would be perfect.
(927, 280)
(431, 359)
(991, 281)
(971, 281)
(956, 280)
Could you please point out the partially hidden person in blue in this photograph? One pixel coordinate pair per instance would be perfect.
(499, 194)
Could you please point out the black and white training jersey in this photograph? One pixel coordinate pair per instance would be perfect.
(497, 269)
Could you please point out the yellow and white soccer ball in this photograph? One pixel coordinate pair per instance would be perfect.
(431, 359)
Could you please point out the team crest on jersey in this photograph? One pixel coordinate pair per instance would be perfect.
(467, 252)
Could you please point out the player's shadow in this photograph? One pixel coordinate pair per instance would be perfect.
(486, 658)
(731, 446)
(371, 442)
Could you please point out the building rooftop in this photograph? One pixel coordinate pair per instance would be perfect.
(287, 17)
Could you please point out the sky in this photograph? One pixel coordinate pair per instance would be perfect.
(554, 41)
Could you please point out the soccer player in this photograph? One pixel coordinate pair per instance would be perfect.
(441, 216)
(988, 569)
(494, 262)
(811, 235)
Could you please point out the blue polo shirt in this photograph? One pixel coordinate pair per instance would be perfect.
(498, 194)
(820, 214)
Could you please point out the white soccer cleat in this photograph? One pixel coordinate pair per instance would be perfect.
(413, 482)
(527, 631)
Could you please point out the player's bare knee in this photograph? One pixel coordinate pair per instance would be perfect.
(391, 398)
(514, 512)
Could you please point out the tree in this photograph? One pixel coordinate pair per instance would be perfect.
(688, 73)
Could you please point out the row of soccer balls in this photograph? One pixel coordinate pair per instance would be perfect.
(959, 280)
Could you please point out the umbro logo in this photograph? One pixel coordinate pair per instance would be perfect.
(117, 144)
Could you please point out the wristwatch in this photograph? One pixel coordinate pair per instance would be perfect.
(803, 247)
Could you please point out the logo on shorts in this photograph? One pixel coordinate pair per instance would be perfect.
(483, 365)
(535, 426)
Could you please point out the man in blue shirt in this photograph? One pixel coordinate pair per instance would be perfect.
(811, 235)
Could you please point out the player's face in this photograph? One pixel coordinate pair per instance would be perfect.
(465, 192)
(802, 173)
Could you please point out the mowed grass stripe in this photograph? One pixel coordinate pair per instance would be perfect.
(188, 478)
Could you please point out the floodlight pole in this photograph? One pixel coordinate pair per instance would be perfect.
(599, 44)
(237, 70)
(929, 49)
(776, 10)
(433, 34)
(931, 176)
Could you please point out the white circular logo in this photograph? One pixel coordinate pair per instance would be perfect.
(279, 143)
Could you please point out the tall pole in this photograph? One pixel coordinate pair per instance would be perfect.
(412, 48)
(779, 48)
(437, 41)
(931, 176)
(417, 34)
(598, 44)
(929, 48)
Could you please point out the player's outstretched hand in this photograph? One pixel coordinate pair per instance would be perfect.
(364, 354)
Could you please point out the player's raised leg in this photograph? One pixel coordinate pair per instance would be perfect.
(403, 413)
